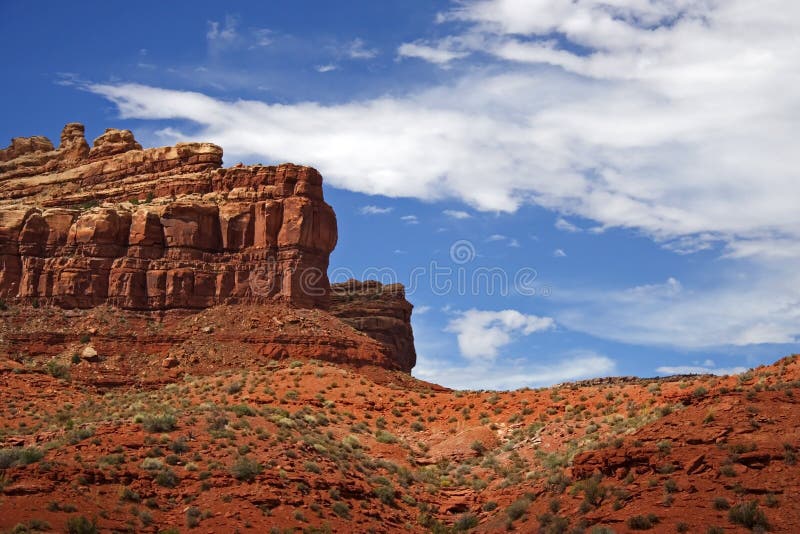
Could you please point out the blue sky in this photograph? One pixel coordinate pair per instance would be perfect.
(626, 171)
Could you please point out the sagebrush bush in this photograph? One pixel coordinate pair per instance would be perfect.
(245, 469)
(159, 422)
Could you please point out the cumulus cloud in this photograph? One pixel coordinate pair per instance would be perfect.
(375, 210)
(481, 334)
(674, 118)
(559, 253)
(326, 68)
(410, 219)
(514, 374)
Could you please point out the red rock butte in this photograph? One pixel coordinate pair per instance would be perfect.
(160, 229)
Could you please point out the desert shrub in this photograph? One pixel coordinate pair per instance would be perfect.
(79, 434)
(594, 493)
(727, 470)
(518, 508)
(243, 410)
(245, 469)
(642, 522)
(312, 467)
(488, 506)
(56, 369)
(748, 515)
(126, 494)
(234, 388)
(167, 478)
(17, 456)
(465, 522)
(159, 422)
(341, 509)
(385, 493)
(721, 503)
(193, 515)
(80, 525)
(382, 436)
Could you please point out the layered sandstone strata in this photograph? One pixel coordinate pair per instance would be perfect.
(380, 311)
(158, 228)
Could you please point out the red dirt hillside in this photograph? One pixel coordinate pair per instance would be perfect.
(173, 359)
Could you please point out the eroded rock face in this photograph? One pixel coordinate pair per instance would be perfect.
(158, 228)
(380, 311)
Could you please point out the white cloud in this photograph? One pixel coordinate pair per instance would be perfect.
(439, 54)
(262, 37)
(356, 49)
(513, 243)
(481, 334)
(744, 308)
(457, 214)
(375, 210)
(410, 219)
(559, 253)
(514, 374)
(223, 32)
(326, 68)
(566, 226)
(679, 121)
(699, 370)
(497, 237)
(420, 309)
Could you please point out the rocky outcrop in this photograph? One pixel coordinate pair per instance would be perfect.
(158, 228)
(380, 311)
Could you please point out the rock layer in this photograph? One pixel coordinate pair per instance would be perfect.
(380, 311)
(159, 228)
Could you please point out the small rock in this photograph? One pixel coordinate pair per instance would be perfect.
(207, 329)
(169, 362)
(90, 354)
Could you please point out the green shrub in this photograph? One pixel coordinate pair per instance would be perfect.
(243, 410)
(465, 522)
(382, 436)
(341, 509)
(167, 478)
(245, 469)
(126, 494)
(721, 503)
(17, 456)
(642, 522)
(159, 423)
(56, 369)
(81, 525)
(193, 515)
(518, 508)
(748, 515)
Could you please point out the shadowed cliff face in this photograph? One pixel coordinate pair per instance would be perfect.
(168, 229)
(380, 311)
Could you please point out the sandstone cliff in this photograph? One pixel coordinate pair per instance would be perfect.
(380, 311)
(159, 228)
(169, 229)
